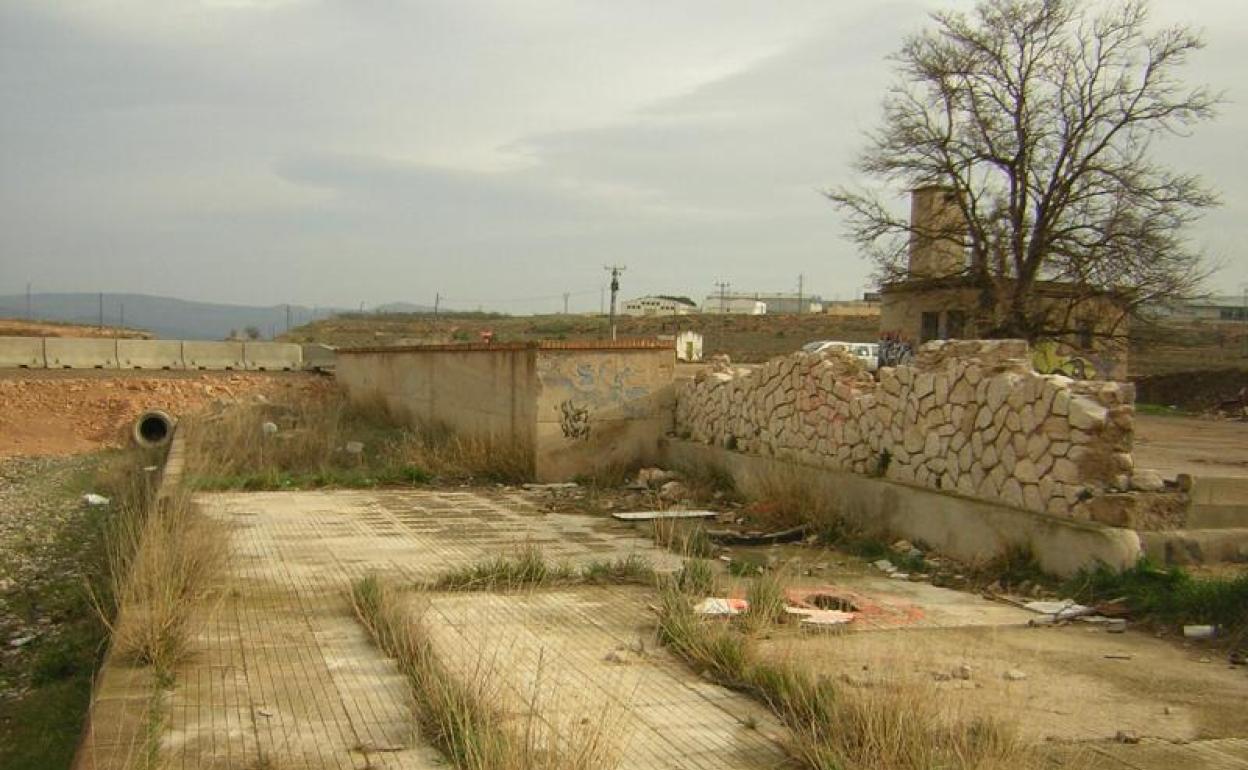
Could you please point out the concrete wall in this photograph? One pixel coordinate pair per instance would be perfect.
(213, 355)
(574, 408)
(487, 392)
(21, 352)
(272, 356)
(80, 353)
(149, 354)
(964, 528)
(601, 408)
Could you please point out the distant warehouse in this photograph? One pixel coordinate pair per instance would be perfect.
(660, 304)
(759, 303)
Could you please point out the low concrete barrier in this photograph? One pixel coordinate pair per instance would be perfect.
(965, 528)
(321, 358)
(149, 354)
(272, 356)
(80, 353)
(22, 353)
(213, 355)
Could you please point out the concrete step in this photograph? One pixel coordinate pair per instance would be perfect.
(1180, 547)
(1216, 490)
(1206, 516)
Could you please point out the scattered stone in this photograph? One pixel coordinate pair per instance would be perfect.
(1146, 480)
(1014, 675)
(654, 477)
(673, 491)
(269, 428)
(963, 671)
(354, 447)
(1127, 736)
(899, 576)
(614, 657)
(1200, 632)
(884, 565)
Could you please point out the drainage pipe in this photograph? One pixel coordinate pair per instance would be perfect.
(153, 428)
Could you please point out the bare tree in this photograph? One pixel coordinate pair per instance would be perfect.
(1040, 116)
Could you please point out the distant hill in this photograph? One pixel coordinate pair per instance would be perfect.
(167, 317)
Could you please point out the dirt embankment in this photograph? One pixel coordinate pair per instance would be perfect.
(13, 327)
(61, 415)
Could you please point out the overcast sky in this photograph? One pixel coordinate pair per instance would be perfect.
(499, 152)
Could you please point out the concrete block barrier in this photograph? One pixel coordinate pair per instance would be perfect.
(21, 353)
(321, 358)
(81, 353)
(149, 354)
(213, 355)
(272, 356)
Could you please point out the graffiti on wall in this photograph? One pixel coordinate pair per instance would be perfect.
(573, 420)
(1047, 358)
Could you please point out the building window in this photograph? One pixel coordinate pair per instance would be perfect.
(955, 325)
(929, 327)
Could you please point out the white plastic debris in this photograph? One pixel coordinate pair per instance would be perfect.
(1061, 610)
(1200, 632)
(93, 499)
(884, 565)
(268, 428)
(714, 605)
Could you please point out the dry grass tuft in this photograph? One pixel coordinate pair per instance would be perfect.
(530, 569)
(231, 450)
(467, 716)
(892, 726)
(164, 558)
(687, 538)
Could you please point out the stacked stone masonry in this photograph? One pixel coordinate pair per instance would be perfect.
(969, 416)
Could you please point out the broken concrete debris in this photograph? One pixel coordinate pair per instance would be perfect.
(669, 514)
(1014, 675)
(1200, 632)
(721, 607)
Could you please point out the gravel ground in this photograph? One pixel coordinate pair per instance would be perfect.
(47, 541)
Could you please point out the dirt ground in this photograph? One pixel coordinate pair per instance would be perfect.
(63, 412)
(1201, 447)
(14, 327)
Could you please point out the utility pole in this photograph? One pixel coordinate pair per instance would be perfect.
(437, 301)
(101, 310)
(723, 311)
(801, 280)
(122, 315)
(565, 302)
(288, 316)
(615, 288)
(29, 315)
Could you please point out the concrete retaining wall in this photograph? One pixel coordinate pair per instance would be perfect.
(80, 353)
(272, 356)
(486, 393)
(598, 409)
(213, 355)
(964, 528)
(149, 354)
(21, 352)
(572, 408)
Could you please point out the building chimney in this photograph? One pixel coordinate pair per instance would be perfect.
(938, 233)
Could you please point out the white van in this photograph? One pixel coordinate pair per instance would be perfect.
(866, 352)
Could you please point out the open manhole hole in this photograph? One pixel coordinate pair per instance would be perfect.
(825, 601)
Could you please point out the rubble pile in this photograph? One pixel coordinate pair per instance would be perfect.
(972, 416)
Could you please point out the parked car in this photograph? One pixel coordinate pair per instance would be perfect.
(866, 352)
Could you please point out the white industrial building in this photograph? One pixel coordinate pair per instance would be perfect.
(733, 305)
(659, 305)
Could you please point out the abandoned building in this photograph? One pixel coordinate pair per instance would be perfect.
(938, 300)
(773, 303)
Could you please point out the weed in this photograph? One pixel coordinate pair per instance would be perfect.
(696, 578)
(746, 566)
(527, 569)
(833, 728)
(1168, 595)
(688, 539)
(466, 715)
(765, 595)
(633, 568)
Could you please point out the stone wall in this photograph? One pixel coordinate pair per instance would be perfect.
(970, 416)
